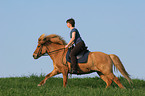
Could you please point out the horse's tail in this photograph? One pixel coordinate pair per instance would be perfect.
(118, 64)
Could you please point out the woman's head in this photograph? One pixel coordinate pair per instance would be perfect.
(70, 22)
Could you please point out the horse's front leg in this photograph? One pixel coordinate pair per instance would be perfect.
(65, 77)
(54, 72)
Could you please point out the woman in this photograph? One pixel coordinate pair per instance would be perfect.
(77, 41)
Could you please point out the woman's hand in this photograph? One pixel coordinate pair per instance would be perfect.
(66, 46)
(71, 40)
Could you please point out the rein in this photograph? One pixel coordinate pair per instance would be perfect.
(51, 51)
(55, 50)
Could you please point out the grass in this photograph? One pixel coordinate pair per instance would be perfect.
(27, 86)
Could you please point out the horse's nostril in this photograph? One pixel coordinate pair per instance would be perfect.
(34, 56)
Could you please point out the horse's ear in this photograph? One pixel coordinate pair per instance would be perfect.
(42, 36)
(56, 40)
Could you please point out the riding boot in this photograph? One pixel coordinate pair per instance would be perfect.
(74, 68)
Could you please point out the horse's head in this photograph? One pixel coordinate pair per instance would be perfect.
(41, 48)
(44, 42)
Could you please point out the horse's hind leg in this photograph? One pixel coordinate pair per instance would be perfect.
(105, 78)
(115, 79)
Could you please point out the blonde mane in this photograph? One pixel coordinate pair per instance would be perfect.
(51, 38)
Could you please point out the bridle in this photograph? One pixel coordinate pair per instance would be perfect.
(51, 52)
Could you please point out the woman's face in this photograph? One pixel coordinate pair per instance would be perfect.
(68, 25)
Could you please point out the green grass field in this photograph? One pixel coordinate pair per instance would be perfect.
(27, 86)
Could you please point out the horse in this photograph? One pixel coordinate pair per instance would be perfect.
(99, 62)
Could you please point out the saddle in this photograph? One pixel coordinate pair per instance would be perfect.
(82, 57)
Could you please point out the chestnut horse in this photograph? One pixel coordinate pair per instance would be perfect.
(98, 62)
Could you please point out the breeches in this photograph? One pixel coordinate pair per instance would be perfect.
(74, 52)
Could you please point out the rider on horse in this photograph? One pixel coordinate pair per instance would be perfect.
(78, 43)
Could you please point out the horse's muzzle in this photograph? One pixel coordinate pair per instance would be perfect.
(35, 56)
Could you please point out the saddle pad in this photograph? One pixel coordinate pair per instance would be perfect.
(82, 59)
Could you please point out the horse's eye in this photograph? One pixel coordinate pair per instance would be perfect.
(44, 39)
(38, 46)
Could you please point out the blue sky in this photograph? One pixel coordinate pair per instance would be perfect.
(110, 26)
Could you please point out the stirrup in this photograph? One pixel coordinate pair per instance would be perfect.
(73, 71)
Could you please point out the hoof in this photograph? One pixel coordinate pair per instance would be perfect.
(39, 85)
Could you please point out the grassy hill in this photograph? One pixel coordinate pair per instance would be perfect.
(27, 86)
